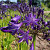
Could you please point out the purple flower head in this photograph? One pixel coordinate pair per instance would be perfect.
(24, 36)
(31, 20)
(32, 47)
(13, 28)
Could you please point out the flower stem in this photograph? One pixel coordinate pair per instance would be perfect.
(2, 39)
(18, 46)
(34, 40)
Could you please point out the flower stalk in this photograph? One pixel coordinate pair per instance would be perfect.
(34, 41)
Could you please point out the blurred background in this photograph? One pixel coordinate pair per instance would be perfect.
(9, 0)
(34, 2)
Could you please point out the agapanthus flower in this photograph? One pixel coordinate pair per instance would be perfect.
(13, 28)
(24, 36)
(31, 20)
(32, 47)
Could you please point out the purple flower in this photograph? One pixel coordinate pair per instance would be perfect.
(13, 28)
(31, 20)
(32, 47)
(24, 36)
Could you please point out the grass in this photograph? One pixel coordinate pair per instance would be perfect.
(6, 38)
(45, 7)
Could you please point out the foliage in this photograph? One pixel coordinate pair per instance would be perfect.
(45, 7)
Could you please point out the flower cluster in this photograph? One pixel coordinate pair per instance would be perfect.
(32, 20)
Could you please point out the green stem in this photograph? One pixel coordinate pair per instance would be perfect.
(18, 46)
(34, 40)
(2, 39)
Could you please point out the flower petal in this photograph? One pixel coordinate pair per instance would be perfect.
(27, 32)
(21, 39)
(14, 31)
(30, 38)
(17, 25)
(20, 36)
(26, 40)
(22, 32)
(27, 24)
(16, 18)
(32, 47)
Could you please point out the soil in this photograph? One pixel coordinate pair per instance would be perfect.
(42, 44)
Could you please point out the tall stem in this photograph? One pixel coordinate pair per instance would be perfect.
(2, 39)
(18, 46)
(34, 40)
